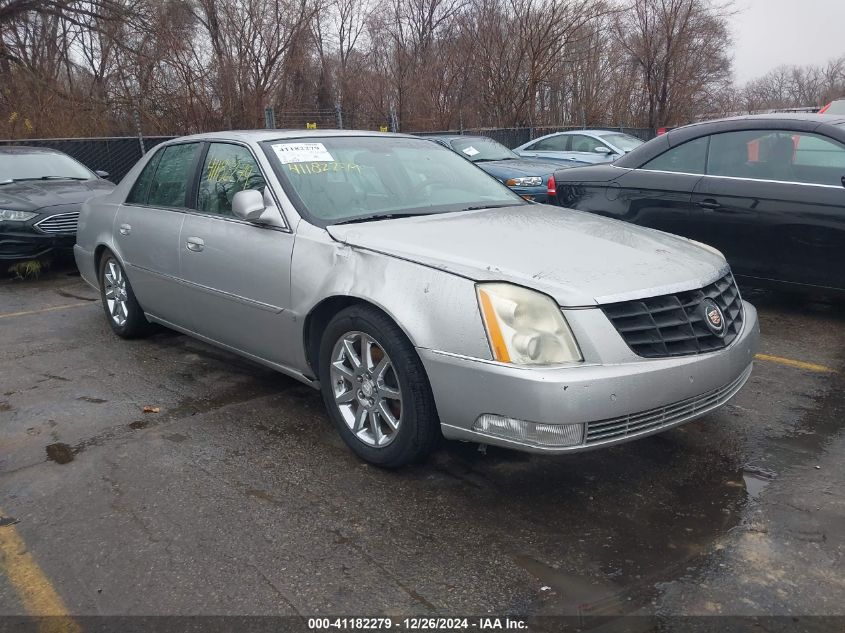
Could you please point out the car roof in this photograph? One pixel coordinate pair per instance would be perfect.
(593, 133)
(256, 136)
(791, 121)
(25, 149)
(586, 132)
(807, 122)
(455, 137)
(813, 117)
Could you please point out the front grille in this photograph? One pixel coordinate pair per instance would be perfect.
(662, 417)
(673, 325)
(60, 223)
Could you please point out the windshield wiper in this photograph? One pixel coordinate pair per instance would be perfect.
(48, 178)
(491, 206)
(378, 216)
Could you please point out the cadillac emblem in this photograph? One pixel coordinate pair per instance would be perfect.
(713, 317)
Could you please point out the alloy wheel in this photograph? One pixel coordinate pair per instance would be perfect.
(366, 389)
(114, 287)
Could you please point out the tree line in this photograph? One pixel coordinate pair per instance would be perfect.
(110, 67)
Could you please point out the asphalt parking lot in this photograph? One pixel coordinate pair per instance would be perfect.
(237, 496)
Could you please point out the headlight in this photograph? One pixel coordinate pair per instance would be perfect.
(528, 181)
(7, 215)
(525, 327)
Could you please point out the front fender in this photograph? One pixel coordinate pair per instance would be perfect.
(436, 310)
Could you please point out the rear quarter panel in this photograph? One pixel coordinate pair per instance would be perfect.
(599, 198)
(95, 228)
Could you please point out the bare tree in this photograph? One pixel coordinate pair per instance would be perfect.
(680, 48)
(86, 66)
(795, 86)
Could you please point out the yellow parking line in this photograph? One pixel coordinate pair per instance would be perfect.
(50, 309)
(34, 589)
(798, 364)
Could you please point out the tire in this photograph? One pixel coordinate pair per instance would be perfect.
(123, 313)
(391, 368)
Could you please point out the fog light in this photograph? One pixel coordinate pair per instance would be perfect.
(530, 432)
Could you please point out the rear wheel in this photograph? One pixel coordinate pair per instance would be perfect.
(376, 390)
(123, 313)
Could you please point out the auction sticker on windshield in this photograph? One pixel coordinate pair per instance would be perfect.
(302, 153)
(471, 151)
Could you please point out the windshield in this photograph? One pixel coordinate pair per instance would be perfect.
(335, 179)
(625, 142)
(37, 165)
(480, 149)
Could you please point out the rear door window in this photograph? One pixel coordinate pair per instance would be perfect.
(170, 185)
(777, 155)
(819, 159)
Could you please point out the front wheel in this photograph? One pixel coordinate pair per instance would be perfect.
(124, 314)
(376, 389)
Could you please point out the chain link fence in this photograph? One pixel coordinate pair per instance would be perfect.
(314, 119)
(117, 155)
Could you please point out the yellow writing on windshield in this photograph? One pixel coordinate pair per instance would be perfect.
(323, 168)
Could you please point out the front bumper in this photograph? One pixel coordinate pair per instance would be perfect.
(25, 243)
(619, 400)
(535, 194)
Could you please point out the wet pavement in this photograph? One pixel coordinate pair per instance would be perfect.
(237, 497)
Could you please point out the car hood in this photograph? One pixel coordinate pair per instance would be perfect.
(514, 168)
(31, 195)
(577, 258)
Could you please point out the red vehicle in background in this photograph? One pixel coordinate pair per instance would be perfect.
(834, 107)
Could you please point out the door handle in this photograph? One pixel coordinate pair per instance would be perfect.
(194, 244)
(125, 229)
(709, 203)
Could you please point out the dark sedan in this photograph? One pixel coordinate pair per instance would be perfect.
(768, 191)
(41, 191)
(530, 178)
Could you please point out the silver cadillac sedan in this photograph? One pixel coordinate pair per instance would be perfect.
(420, 295)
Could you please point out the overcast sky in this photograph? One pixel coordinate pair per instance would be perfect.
(769, 33)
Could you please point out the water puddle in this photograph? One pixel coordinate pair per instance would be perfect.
(85, 293)
(60, 453)
(756, 479)
(577, 595)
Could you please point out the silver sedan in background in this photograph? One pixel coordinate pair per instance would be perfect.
(585, 146)
(420, 295)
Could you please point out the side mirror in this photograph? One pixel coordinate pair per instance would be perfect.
(102, 174)
(248, 205)
(602, 150)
